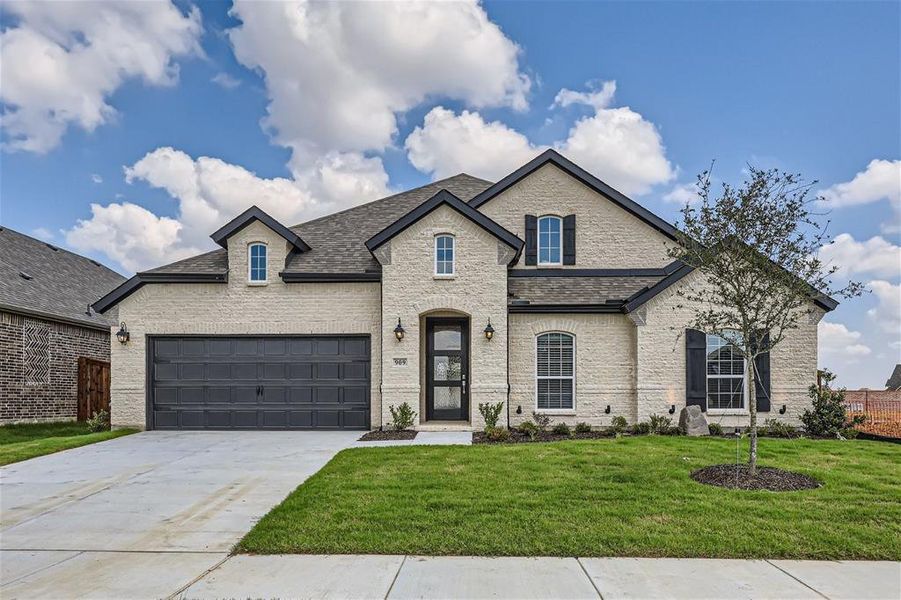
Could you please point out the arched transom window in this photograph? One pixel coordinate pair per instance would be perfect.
(257, 263)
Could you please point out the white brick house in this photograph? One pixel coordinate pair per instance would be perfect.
(329, 323)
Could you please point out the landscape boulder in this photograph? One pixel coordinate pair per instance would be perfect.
(692, 421)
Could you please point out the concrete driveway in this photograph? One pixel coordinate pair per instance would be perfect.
(147, 514)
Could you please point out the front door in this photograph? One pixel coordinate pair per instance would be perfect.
(447, 369)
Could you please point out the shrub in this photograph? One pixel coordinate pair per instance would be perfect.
(715, 429)
(582, 427)
(827, 417)
(659, 424)
(490, 413)
(402, 417)
(641, 428)
(99, 422)
(778, 429)
(497, 434)
(562, 429)
(541, 421)
(619, 424)
(531, 429)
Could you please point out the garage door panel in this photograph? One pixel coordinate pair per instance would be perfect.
(260, 382)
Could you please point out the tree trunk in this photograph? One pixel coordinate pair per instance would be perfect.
(752, 411)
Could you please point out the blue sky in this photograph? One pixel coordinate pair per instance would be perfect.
(807, 87)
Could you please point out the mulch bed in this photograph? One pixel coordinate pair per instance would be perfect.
(518, 437)
(767, 478)
(381, 436)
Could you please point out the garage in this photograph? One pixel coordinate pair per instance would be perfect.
(259, 382)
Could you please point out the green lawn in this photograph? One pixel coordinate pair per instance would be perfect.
(611, 497)
(28, 440)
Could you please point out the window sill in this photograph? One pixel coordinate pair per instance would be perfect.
(556, 411)
(257, 283)
(445, 277)
(723, 412)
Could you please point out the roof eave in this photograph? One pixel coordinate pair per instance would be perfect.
(254, 213)
(130, 286)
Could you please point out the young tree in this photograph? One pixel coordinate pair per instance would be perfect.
(756, 247)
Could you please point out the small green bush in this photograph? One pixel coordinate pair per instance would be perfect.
(619, 424)
(562, 429)
(497, 434)
(715, 429)
(827, 417)
(541, 421)
(99, 422)
(777, 429)
(531, 429)
(490, 413)
(641, 428)
(660, 425)
(402, 416)
(582, 427)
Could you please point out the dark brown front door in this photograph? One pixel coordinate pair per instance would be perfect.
(447, 369)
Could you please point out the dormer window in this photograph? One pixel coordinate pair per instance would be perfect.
(257, 263)
(444, 255)
(549, 240)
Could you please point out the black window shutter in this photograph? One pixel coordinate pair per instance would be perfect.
(696, 368)
(569, 240)
(762, 380)
(531, 240)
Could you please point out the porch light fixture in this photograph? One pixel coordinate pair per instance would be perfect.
(607, 410)
(489, 331)
(672, 409)
(782, 410)
(122, 334)
(399, 330)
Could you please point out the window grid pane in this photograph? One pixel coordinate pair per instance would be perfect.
(258, 263)
(725, 373)
(555, 360)
(549, 240)
(444, 255)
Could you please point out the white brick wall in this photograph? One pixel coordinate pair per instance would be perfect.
(606, 235)
(661, 361)
(237, 308)
(605, 366)
(411, 291)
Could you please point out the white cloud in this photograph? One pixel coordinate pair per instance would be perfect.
(875, 255)
(683, 193)
(62, 60)
(616, 144)
(887, 313)
(226, 81)
(43, 233)
(338, 73)
(96, 178)
(838, 345)
(447, 144)
(881, 180)
(209, 193)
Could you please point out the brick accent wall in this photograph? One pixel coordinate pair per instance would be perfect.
(39, 367)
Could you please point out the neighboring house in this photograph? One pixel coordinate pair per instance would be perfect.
(329, 323)
(894, 381)
(47, 325)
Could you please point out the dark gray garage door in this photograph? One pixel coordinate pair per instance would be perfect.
(267, 382)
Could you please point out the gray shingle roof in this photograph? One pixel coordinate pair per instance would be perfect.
(62, 283)
(338, 241)
(576, 290)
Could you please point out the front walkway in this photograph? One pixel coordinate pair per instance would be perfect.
(302, 576)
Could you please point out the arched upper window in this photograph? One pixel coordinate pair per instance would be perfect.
(555, 371)
(550, 237)
(444, 254)
(257, 263)
(726, 385)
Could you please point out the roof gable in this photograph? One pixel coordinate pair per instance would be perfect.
(254, 213)
(554, 158)
(443, 197)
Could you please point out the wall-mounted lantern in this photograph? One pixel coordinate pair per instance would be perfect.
(782, 410)
(489, 331)
(122, 334)
(399, 330)
(607, 410)
(672, 409)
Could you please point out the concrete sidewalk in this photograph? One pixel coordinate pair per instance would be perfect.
(301, 576)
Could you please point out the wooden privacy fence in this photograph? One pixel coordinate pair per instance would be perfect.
(93, 387)
(882, 408)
